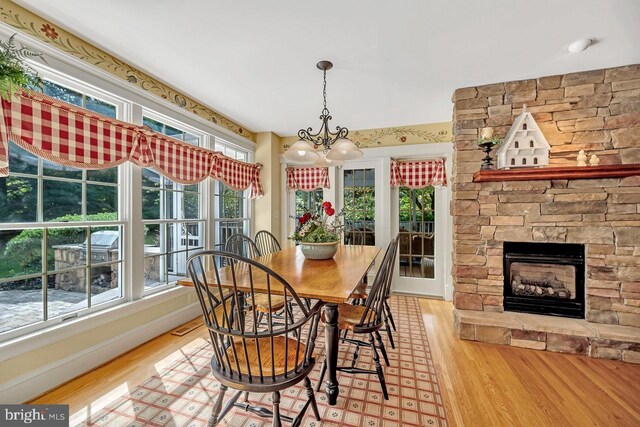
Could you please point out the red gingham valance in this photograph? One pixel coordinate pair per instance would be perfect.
(238, 175)
(65, 134)
(418, 174)
(307, 179)
(68, 135)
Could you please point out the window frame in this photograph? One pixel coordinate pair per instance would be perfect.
(163, 222)
(131, 100)
(225, 147)
(122, 107)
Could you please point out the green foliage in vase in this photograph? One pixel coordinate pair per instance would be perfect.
(15, 74)
(494, 141)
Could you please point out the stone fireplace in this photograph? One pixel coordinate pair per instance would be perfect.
(544, 278)
(596, 111)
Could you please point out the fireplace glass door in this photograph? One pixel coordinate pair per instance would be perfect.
(543, 280)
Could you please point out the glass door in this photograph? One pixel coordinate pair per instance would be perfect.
(359, 201)
(419, 264)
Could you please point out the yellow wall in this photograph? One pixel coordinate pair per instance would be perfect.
(267, 208)
(390, 136)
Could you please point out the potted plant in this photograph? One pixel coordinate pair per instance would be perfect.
(15, 74)
(318, 237)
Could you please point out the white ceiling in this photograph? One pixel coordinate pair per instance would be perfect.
(396, 62)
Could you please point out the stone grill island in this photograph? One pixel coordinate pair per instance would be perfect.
(594, 210)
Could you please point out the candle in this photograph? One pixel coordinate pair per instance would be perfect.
(486, 133)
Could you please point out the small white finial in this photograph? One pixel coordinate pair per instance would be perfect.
(524, 108)
(582, 158)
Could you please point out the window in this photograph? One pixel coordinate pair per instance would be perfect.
(535, 160)
(231, 208)
(308, 201)
(171, 213)
(524, 161)
(524, 126)
(531, 143)
(60, 234)
(360, 203)
(417, 208)
(516, 144)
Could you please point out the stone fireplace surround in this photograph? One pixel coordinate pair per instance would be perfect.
(596, 111)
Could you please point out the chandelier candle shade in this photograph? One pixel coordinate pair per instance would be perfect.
(335, 146)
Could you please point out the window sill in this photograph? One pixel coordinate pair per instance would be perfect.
(55, 333)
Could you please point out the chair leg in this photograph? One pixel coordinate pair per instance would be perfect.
(246, 396)
(275, 396)
(387, 309)
(355, 356)
(344, 335)
(323, 370)
(388, 328)
(381, 347)
(213, 421)
(312, 398)
(376, 360)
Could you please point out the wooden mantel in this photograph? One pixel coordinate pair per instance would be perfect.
(569, 172)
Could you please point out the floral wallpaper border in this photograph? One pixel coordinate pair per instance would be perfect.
(33, 25)
(387, 137)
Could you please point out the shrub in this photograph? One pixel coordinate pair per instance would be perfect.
(26, 247)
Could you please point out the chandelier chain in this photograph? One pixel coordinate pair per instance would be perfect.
(324, 88)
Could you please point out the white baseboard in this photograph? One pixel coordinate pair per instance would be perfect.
(38, 381)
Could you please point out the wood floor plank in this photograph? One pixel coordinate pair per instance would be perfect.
(482, 384)
(527, 387)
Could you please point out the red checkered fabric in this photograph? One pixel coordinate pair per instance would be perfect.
(68, 135)
(65, 134)
(418, 174)
(238, 175)
(307, 179)
(177, 160)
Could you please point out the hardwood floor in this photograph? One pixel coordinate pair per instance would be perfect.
(483, 384)
(491, 385)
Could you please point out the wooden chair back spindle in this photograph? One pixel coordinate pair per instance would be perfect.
(241, 244)
(372, 315)
(266, 242)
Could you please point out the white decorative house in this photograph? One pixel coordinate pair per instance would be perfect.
(525, 145)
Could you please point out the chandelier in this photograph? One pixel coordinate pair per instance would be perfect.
(323, 148)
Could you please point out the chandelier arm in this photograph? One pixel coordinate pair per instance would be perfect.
(324, 137)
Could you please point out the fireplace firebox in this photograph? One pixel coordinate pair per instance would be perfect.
(544, 278)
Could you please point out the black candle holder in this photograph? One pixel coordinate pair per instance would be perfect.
(487, 162)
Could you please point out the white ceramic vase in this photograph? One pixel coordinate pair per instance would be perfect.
(319, 250)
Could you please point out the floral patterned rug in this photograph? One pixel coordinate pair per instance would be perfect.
(182, 394)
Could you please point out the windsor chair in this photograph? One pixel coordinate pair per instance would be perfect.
(248, 358)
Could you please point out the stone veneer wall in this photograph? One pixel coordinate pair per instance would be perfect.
(596, 111)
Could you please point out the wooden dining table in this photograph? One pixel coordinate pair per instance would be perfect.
(331, 281)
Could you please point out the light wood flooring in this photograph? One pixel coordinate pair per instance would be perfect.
(483, 384)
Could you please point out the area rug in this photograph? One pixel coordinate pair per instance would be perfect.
(182, 394)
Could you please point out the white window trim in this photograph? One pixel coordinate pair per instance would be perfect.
(204, 143)
(129, 100)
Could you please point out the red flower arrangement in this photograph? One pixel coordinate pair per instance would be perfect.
(313, 227)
